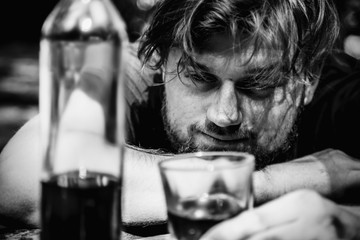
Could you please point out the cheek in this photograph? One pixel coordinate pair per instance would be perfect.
(283, 108)
(289, 95)
(272, 120)
(183, 108)
(281, 117)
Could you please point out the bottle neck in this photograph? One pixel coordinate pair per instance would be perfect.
(84, 19)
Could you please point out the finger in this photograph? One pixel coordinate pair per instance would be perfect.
(295, 231)
(285, 210)
(238, 227)
(281, 232)
(290, 208)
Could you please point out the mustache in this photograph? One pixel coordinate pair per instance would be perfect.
(236, 130)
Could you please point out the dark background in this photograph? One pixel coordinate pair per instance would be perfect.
(21, 20)
(20, 27)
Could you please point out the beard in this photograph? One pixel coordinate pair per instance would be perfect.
(264, 156)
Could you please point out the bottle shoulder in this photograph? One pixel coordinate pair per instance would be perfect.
(84, 19)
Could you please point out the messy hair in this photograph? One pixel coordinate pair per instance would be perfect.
(301, 32)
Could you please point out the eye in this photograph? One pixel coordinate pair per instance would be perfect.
(257, 93)
(195, 77)
(203, 82)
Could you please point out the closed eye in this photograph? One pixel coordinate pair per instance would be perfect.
(204, 81)
(258, 93)
(258, 88)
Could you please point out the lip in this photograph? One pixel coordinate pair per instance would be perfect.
(224, 138)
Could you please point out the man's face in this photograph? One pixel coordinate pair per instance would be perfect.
(219, 114)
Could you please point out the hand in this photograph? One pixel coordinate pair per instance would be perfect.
(300, 215)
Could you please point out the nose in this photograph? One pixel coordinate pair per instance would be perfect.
(224, 110)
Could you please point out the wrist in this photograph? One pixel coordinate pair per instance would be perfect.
(263, 187)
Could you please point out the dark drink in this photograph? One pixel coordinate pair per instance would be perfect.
(192, 218)
(78, 207)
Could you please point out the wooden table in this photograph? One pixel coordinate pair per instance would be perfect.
(34, 234)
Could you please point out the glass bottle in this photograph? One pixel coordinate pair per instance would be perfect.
(82, 120)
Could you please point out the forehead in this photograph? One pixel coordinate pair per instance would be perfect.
(223, 52)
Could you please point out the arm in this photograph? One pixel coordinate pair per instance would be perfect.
(20, 166)
(144, 200)
(328, 172)
(331, 173)
(20, 169)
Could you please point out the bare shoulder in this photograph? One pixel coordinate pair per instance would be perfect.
(25, 141)
(20, 165)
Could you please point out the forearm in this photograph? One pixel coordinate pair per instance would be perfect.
(20, 180)
(20, 166)
(143, 199)
(331, 173)
(279, 179)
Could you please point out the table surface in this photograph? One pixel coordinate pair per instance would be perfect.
(34, 234)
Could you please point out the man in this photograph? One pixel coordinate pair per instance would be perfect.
(274, 71)
(234, 75)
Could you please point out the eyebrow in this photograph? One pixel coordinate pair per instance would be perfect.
(248, 72)
(203, 69)
(260, 72)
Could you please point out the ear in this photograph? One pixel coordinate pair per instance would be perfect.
(310, 90)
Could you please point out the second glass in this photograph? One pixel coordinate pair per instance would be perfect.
(205, 188)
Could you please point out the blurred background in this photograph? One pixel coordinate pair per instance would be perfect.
(20, 26)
